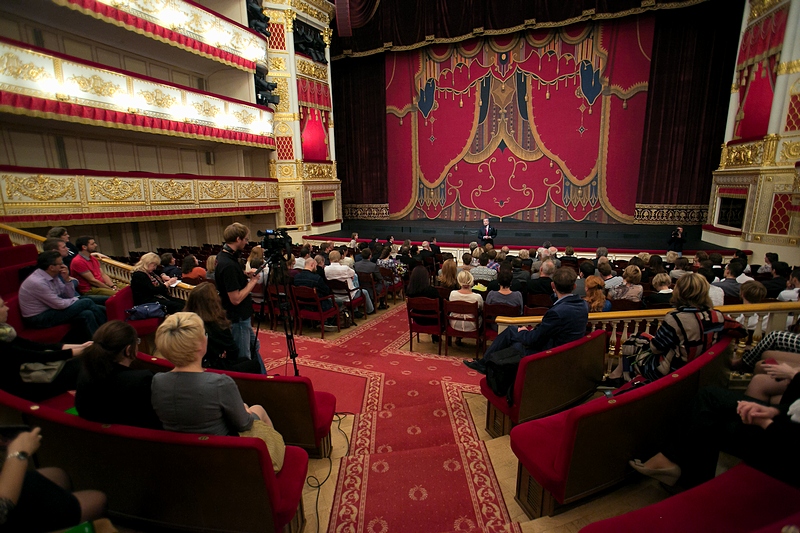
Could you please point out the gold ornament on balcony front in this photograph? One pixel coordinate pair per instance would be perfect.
(206, 109)
(217, 190)
(312, 70)
(96, 85)
(114, 189)
(173, 190)
(12, 65)
(244, 117)
(158, 98)
(250, 190)
(40, 187)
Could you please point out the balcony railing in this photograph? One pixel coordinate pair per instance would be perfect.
(40, 83)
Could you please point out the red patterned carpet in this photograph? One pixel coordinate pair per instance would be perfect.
(416, 463)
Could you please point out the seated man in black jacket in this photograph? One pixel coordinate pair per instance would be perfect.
(780, 276)
(308, 277)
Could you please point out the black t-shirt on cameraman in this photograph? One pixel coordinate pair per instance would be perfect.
(229, 277)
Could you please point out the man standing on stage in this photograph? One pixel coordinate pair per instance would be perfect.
(487, 233)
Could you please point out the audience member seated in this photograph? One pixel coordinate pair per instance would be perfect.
(505, 295)
(211, 265)
(338, 271)
(41, 500)
(493, 264)
(448, 275)
(741, 278)
(60, 232)
(188, 399)
(564, 322)
(222, 352)
(699, 257)
(525, 258)
(716, 294)
(386, 261)
(519, 275)
(353, 241)
(569, 257)
(609, 276)
(191, 272)
(310, 278)
(681, 268)
(729, 285)
(770, 386)
(782, 345)
(770, 259)
(596, 301)
(753, 292)
(630, 289)
(684, 333)
(655, 265)
(482, 273)
(792, 288)
(17, 351)
(46, 299)
(85, 267)
(320, 260)
(256, 254)
(585, 270)
(764, 436)
(671, 257)
(58, 245)
(543, 284)
(148, 287)
(781, 271)
(108, 390)
(366, 266)
(168, 267)
(464, 294)
(466, 262)
(663, 293)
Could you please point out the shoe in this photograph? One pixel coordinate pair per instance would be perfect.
(667, 476)
(329, 327)
(358, 314)
(382, 307)
(610, 384)
(435, 338)
(474, 365)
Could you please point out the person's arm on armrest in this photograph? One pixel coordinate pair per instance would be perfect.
(13, 473)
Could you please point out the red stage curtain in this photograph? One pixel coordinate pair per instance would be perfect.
(360, 122)
(314, 134)
(688, 102)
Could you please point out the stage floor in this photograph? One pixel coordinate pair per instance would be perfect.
(576, 234)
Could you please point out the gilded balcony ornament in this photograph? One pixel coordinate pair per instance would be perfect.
(273, 191)
(289, 16)
(287, 171)
(150, 6)
(326, 36)
(40, 187)
(115, 189)
(312, 70)
(251, 190)
(282, 90)
(315, 171)
(761, 7)
(244, 117)
(217, 190)
(173, 190)
(96, 85)
(196, 24)
(277, 63)
(311, 12)
(744, 155)
(12, 65)
(158, 98)
(790, 151)
(206, 109)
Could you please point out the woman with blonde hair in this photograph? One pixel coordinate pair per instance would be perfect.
(630, 289)
(595, 295)
(188, 399)
(464, 294)
(256, 253)
(448, 277)
(147, 287)
(663, 294)
(211, 264)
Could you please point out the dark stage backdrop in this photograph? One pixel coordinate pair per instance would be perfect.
(541, 125)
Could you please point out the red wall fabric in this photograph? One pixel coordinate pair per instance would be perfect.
(536, 126)
(314, 135)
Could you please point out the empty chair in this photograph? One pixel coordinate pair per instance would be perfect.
(424, 316)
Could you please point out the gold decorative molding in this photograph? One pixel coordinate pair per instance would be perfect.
(12, 65)
(312, 70)
(326, 36)
(366, 211)
(660, 214)
(291, 117)
(790, 151)
(282, 90)
(317, 171)
(244, 117)
(286, 171)
(792, 67)
(277, 63)
(734, 88)
(761, 7)
(312, 12)
(742, 155)
(283, 129)
(288, 18)
(206, 109)
(114, 189)
(158, 98)
(251, 190)
(96, 85)
(39, 187)
(173, 190)
(217, 190)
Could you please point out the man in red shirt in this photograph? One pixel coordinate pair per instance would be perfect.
(85, 268)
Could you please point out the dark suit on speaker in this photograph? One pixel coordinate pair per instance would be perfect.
(487, 234)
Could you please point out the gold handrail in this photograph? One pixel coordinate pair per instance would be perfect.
(19, 237)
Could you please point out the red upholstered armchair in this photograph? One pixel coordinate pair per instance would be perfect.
(122, 301)
(171, 480)
(548, 382)
(48, 335)
(17, 255)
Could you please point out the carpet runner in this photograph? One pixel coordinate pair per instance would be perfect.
(416, 463)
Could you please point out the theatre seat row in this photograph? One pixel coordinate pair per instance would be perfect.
(166, 479)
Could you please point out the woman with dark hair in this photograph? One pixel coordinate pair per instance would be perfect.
(385, 261)
(222, 352)
(505, 295)
(191, 272)
(109, 390)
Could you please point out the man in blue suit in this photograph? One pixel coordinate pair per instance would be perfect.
(564, 322)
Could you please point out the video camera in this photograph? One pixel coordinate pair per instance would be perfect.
(276, 243)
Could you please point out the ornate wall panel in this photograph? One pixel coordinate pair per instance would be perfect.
(30, 195)
(671, 214)
(366, 211)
